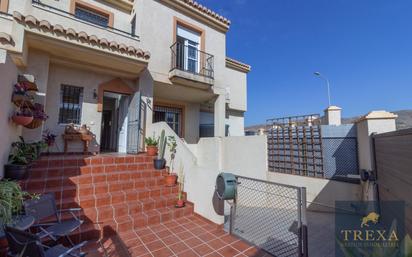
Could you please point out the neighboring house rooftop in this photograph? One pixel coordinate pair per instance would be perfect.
(237, 65)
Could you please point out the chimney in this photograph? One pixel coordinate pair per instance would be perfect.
(333, 115)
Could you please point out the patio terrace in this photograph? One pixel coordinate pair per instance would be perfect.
(128, 210)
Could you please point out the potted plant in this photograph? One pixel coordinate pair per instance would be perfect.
(23, 116)
(11, 204)
(49, 139)
(40, 146)
(39, 116)
(17, 167)
(180, 196)
(151, 145)
(29, 150)
(171, 177)
(160, 162)
(11, 198)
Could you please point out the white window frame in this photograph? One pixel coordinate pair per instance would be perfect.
(191, 39)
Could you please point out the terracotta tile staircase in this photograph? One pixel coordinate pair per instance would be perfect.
(118, 193)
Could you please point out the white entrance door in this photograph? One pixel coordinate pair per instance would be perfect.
(123, 121)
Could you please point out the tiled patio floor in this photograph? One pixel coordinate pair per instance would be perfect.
(186, 237)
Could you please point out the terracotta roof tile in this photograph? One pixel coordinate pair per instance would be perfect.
(45, 25)
(205, 10)
(5, 38)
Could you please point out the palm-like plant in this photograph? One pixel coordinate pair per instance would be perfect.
(11, 200)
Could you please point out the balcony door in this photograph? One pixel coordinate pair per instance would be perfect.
(188, 47)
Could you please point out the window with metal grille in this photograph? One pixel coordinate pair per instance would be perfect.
(71, 99)
(172, 116)
(91, 16)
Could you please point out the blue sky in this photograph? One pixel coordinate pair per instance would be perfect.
(364, 47)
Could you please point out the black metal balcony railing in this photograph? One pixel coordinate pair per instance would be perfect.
(190, 59)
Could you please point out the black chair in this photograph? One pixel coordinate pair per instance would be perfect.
(24, 244)
(45, 207)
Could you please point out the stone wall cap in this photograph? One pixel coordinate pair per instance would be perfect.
(333, 108)
(380, 114)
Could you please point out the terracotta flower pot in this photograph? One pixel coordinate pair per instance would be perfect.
(151, 150)
(22, 120)
(180, 203)
(171, 180)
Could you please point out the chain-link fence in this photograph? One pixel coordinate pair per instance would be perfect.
(270, 216)
(340, 152)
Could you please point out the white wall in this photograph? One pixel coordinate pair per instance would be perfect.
(323, 191)
(202, 163)
(236, 81)
(236, 122)
(9, 130)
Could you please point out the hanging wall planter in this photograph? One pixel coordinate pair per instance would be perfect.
(22, 120)
(38, 116)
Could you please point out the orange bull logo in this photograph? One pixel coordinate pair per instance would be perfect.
(372, 217)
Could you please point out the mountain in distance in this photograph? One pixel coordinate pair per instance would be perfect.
(403, 121)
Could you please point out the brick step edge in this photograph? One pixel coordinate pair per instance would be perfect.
(96, 231)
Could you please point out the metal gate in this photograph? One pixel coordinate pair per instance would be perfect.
(271, 216)
(136, 124)
(295, 145)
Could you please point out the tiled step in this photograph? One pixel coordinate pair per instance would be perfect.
(126, 179)
(57, 161)
(115, 193)
(88, 169)
(109, 227)
(152, 186)
(97, 201)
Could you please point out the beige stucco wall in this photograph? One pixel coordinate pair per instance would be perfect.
(155, 27)
(9, 130)
(121, 18)
(38, 66)
(59, 75)
(365, 128)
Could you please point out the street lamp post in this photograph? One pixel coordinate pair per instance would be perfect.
(327, 83)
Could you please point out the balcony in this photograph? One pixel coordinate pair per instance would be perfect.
(59, 16)
(72, 41)
(191, 67)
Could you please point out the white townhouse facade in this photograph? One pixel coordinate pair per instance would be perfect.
(119, 66)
